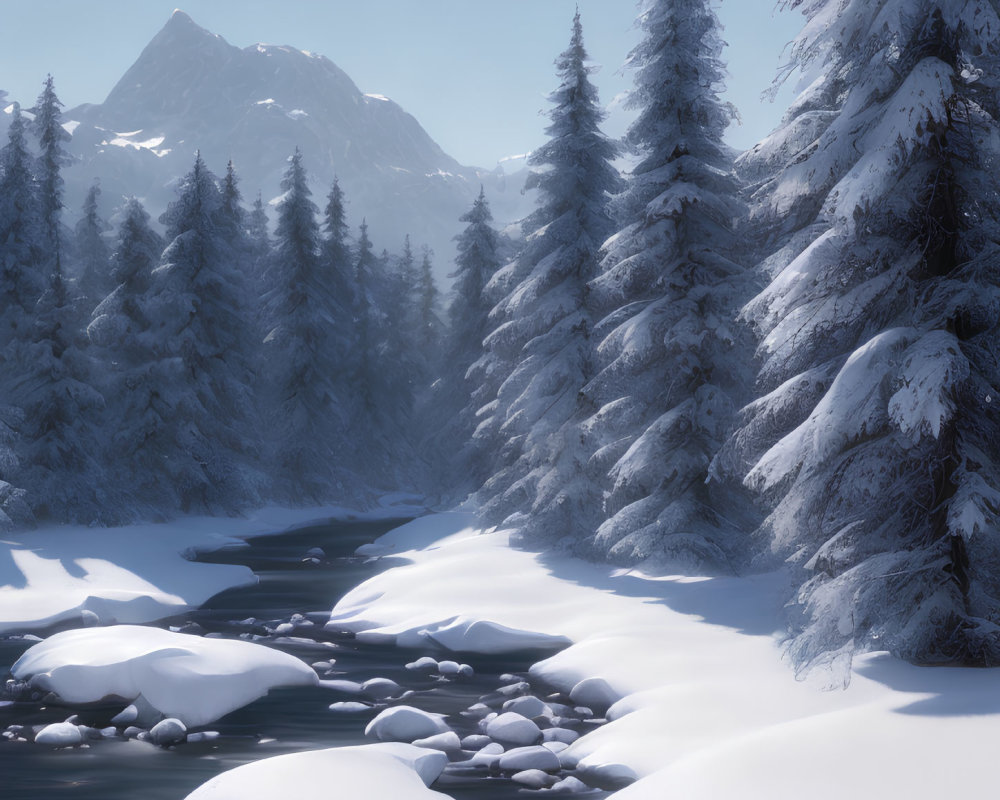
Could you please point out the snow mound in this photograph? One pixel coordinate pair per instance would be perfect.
(59, 734)
(513, 729)
(405, 724)
(505, 618)
(192, 679)
(375, 772)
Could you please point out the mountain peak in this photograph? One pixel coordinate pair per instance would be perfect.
(180, 23)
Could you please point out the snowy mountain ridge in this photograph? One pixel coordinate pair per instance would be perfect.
(190, 90)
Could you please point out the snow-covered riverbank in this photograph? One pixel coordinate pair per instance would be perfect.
(706, 706)
(690, 673)
(137, 573)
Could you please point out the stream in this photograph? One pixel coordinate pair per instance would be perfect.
(296, 584)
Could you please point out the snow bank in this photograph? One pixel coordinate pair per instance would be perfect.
(193, 679)
(138, 573)
(374, 772)
(705, 706)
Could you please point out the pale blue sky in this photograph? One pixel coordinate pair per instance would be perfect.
(475, 73)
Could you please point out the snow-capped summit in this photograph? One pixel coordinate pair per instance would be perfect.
(191, 90)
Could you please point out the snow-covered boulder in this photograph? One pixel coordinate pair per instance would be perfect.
(59, 734)
(349, 707)
(448, 742)
(194, 679)
(374, 772)
(513, 729)
(595, 693)
(167, 732)
(533, 778)
(536, 757)
(381, 688)
(564, 735)
(404, 724)
(528, 706)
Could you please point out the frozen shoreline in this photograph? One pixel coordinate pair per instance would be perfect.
(139, 573)
(707, 706)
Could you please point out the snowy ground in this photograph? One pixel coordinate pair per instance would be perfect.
(702, 704)
(707, 707)
(137, 573)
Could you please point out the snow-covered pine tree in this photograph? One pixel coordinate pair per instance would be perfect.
(22, 233)
(21, 248)
(259, 237)
(205, 437)
(130, 373)
(92, 251)
(48, 128)
(879, 333)
(671, 371)
(307, 353)
(60, 437)
(466, 386)
(429, 326)
(547, 319)
(366, 323)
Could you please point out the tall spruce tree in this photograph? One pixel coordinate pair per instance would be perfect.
(306, 351)
(547, 318)
(671, 371)
(59, 441)
(22, 234)
(127, 351)
(92, 251)
(48, 128)
(465, 387)
(205, 434)
(875, 440)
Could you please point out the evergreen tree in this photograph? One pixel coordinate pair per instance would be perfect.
(366, 322)
(59, 438)
(671, 373)
(874, 440)
(465, 390)
(307, 353)
(204, 433)
(92, 251)
(22, 233)
(546, 318)
(126, 348)
(429, 322)
(48, 127)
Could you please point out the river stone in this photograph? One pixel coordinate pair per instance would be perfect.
(447, 742)
(610, 777)
(528, 706)
(570, 785)
(475, 741)
(167, 732)
(533, 778)
(594, 692)
(479, 710)
(560, 735)
(423, 664)
(349, 707)
(449, 667)
(380, 688)
(59, 734)
(513, 729)
(524, 758)
(404, 724)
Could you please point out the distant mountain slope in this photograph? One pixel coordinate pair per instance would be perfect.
(191, 90)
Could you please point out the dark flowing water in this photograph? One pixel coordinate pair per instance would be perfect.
(287, 720)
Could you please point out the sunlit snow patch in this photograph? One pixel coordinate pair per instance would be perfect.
(190, 678)
(375, 772)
